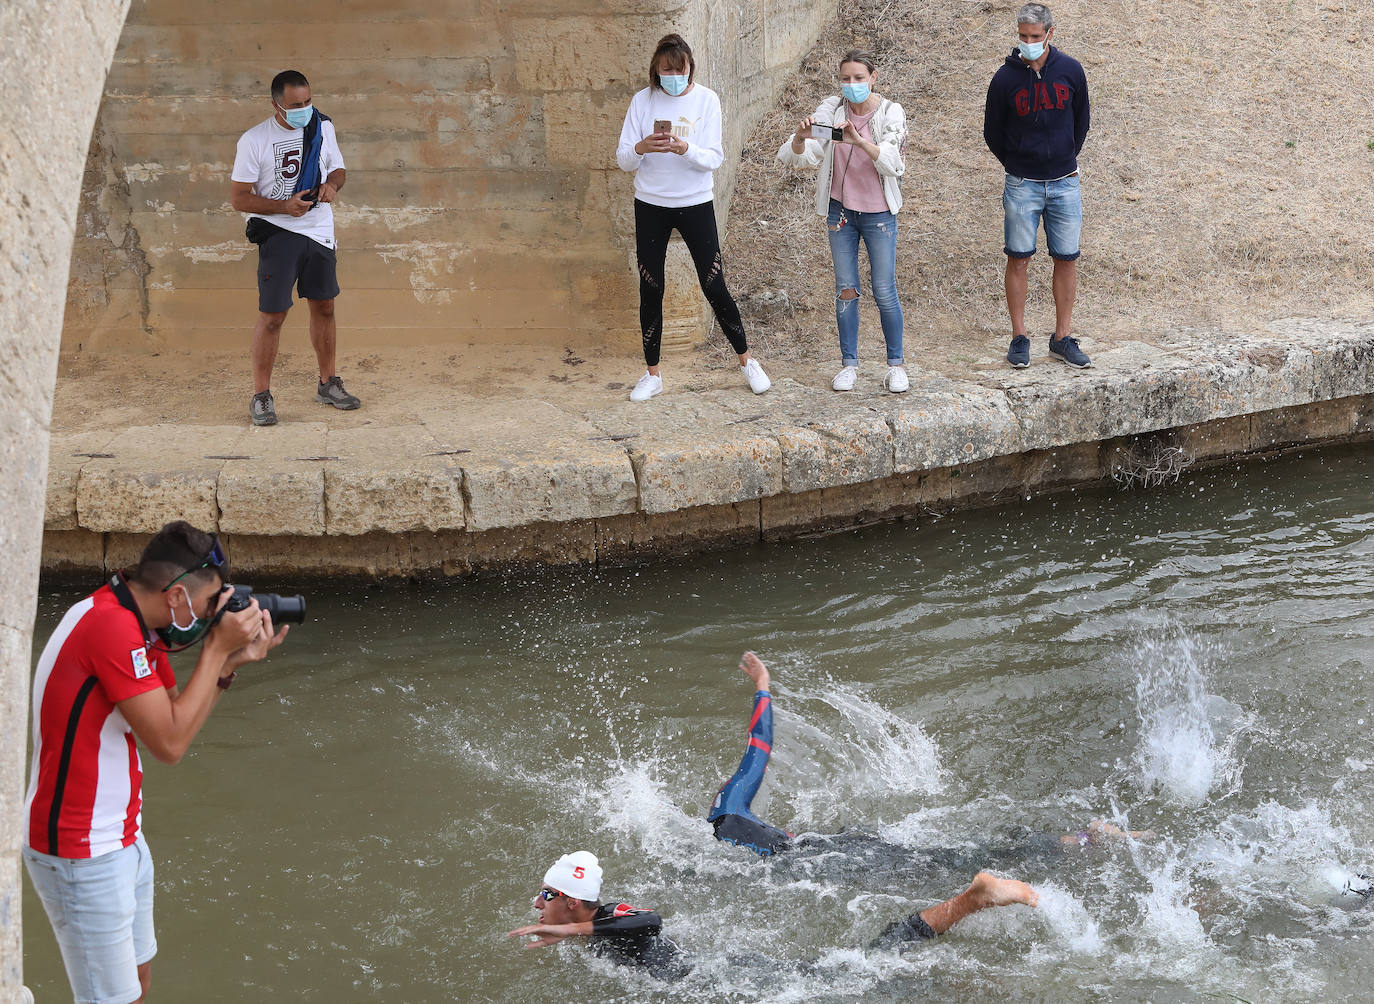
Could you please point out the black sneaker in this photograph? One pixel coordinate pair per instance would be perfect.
(1019, 353)
(1066, 350)
(261, 409)
(333, 393)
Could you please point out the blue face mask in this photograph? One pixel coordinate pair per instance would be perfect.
(1031, 51)
(297, 118)
(674, 83)
(857, 93)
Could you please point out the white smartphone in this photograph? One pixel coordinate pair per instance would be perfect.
(833, 133)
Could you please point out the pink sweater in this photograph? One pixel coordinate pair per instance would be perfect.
(855, 183)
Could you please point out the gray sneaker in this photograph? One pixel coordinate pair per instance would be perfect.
(333, 393)
(261, 409)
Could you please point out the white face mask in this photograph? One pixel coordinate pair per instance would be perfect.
(1031, 51)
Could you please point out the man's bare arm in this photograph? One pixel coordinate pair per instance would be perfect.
(245, 200)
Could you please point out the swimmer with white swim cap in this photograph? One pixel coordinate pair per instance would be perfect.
(569, 905)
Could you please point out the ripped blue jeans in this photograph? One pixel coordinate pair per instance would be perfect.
(879, 233)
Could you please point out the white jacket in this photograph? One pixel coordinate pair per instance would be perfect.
(889, 133)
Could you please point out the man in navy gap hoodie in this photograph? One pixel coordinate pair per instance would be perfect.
(1035, 123)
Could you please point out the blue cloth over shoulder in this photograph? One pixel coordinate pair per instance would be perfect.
(309, 178)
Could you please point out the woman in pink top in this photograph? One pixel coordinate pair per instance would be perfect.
(858, 141)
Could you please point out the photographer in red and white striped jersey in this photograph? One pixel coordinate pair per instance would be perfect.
(103, 681)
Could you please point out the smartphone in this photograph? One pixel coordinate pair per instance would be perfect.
(662, 126)
(833, 133)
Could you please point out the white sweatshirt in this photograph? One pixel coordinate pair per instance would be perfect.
(670, 179)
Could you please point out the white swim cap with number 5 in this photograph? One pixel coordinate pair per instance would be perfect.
(577, 875)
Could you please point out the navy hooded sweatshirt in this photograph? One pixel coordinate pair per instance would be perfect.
(1035, 123)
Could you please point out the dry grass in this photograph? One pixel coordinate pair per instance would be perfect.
(1226, 180)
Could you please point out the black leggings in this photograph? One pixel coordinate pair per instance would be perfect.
(697, 225)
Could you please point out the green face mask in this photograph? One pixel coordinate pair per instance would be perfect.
(188, 634)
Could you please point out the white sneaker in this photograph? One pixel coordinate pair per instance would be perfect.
(758, 379)
(844, 379)
(649, 386)
(896, 381)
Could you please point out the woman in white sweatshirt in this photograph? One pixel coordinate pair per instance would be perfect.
(671, 141)
(857, 193)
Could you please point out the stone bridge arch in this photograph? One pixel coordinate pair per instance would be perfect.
(90, 259)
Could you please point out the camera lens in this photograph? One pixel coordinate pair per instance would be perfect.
(284, 609)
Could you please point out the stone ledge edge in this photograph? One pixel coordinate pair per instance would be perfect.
(629, 537)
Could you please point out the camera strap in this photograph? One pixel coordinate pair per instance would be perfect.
(120, 587)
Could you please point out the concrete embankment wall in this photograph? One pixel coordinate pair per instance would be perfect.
(52, 65)
(534, 482)
(483, 200)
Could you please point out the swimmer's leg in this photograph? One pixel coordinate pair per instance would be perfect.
(736, 794)
(986, 890)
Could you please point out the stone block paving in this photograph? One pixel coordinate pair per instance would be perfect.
(529, 477)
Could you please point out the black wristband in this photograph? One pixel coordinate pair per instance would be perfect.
(224, 682)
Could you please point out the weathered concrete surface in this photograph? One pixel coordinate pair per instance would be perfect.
(529, 481)
(389, 481)
(528, 462)
(278, 483)
(148, 475)
(483, 199)
(52, 68)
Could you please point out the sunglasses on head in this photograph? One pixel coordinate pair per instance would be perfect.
(214, 558)
(548, 894)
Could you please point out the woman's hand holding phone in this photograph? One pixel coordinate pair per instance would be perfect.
(655, 142)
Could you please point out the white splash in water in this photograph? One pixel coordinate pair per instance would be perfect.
(869, 752)
(1275, 851)
(634, 806)
(1175, 753)
(1069, 920)
(1167, 916)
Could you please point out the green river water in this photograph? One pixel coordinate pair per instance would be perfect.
(368, 812)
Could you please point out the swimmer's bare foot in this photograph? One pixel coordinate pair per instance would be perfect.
(755, 670)
(984, 891)
(989, 890)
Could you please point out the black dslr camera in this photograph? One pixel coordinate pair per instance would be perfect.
(284, 609)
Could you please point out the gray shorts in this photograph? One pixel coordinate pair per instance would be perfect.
(289, 259)
(101, 910)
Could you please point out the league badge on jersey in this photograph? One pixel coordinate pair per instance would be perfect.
(141, 667)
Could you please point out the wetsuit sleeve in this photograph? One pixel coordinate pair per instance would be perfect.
(623, 921)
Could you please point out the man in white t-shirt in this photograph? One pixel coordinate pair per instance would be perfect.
(287, 194)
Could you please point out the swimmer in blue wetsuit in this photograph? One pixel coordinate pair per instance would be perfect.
(735, 823)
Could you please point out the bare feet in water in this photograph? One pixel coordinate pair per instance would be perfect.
(755, 670)
(989, 890)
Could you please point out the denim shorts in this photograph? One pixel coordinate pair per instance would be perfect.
(1060, 203)
(101, 910)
